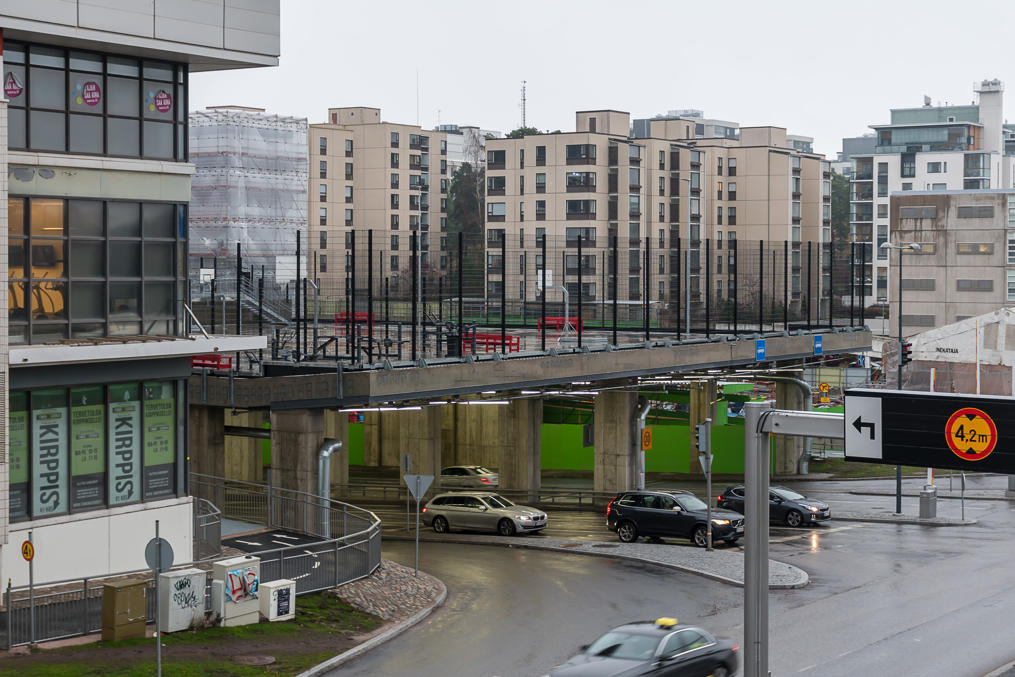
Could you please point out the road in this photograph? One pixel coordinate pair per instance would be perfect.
(883, 598)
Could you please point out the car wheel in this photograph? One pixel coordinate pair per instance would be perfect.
(794, 518)
(506, 527)
(627, 532)
(700, 536)
(440, 525)
(720, 671)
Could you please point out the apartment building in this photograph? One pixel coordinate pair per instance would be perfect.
(389, 178)
(930, 148)
(965, 265)
(94, 188)
(466, 143)
(663, 187)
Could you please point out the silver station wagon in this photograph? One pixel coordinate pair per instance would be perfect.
(481, 511)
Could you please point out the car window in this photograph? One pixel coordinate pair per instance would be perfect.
(447, 471)
(499, 501)
(691, 503)
(788, 494)
(650, 501)
(737, 491)
(634, 500)
(665, 502)
(624, 645)
(440, 500)
(683, 640)
(471, 502)
(480, 470)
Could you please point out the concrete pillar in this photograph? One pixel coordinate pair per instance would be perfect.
(296, 438)
(702, 396)
(372, 440)
(617, 444)
(413, 432)
(336, 427)
(207, 448)
(519, 441)
(788, 449)
(243, 455)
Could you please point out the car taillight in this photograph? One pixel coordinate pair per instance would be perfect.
(609, 506)
(424, 508)
(736, 648)
(484, 480)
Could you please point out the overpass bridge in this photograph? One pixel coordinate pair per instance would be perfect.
(410, 409)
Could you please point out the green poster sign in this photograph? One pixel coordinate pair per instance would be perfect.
(159, 439)
(18, 458)
(87, 448)
(49, 452)
(124, 411)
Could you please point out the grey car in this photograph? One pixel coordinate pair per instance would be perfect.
(481, 511)
(468, 477)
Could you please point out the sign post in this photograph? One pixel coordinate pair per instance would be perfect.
(418, 484)
(159, 556)
(28, 552)
(406, 464)
(705, 459)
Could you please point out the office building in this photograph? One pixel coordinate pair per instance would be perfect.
(93, 350)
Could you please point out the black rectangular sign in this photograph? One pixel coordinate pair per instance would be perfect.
(933, 430)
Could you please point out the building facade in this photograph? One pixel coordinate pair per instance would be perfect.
(95, 199)
(931, 148)
(367, 174)
(965, 265)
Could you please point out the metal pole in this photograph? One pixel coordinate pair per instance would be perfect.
(415, 288)
(461, 287)
(761, 286)
(756, 537)
(785, 284)
(616, 286)
(31, 592)
(852, 281)
(239, 282)
(296, 299)
(687, 265)
(416, 570)
(211, 299)
(370, 296)
(898, 468)
(158, 608)
(440, 312)
(736, 284)
(708, 288)
(863, 284)
(648, 283)
(260, 308)
(503, 293)
(542, 302)
(810, 281)
(686, 328)
(580, 295)
(352, 290)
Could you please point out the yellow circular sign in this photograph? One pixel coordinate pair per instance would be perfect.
(971, 434)
(27, 551)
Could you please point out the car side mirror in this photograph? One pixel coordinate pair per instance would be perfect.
(483, 508)
(584, 647)
(676, 508)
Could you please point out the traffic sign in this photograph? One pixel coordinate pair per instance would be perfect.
(823, 387)
(971, 434)
(759, 350)
(28, 551)
(418, 484)
(932, 430)
(817, 344)
(646, 439)
(159, 555)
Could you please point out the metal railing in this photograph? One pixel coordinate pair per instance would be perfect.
(207, 530)
(349, 549)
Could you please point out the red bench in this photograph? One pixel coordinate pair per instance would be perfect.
(558, 323)
(342, 320)
(211, 361)
(490, 343)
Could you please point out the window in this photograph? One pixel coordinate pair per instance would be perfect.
(521, 209)
(394, 181)
(540, 210)
(634, 205)
(541, 183)
(393, 263)
(796, 210)
(634, 178)
(975, 248)
(348, 171)
(908, 165)
(918, 284)
(718, 169)
(348, 218)
(882, 238)
(731, 166)
(394, 243)
(322, 263)
(324, 239)
(496, 211)
(883, 211)
(495, 185)
(718, 194)
(348, 147)
(578, 181)
(581, 154)
(974, 285)
(496, 159)
(521, 158)
(324, 145)
(731, 191)
(540, 156)
(976, 212)
(394, 139)
(907, 186)
(731, 218)
(718, 216)
(1011, 248)
(324, 192)
(444, 166)
(324, 169)
(662, 185)
(695, 180)
(581, 209)
(1011, 287)
(586, 235)
(394, 160)
(521, 185)
(324, 216)
(348, 193)
(521, 238)
(926, 212)
(394, 200)
(933, 167)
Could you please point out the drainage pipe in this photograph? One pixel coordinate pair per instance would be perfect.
(329, 447)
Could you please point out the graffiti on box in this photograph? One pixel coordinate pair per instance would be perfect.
(241, 584)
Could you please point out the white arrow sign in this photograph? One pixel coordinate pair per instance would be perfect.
(863, 428)
(418, 484)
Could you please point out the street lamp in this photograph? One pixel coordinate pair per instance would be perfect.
(912, 246)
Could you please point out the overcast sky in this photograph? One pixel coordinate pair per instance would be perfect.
(819, 68)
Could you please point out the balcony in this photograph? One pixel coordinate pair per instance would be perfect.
(495, 218)
(495, 191)
(495, 165)
(582, 188)
(581, 160)
(540, 216)
(863, 175)
(581, 216)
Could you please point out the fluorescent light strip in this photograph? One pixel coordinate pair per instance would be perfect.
(364, 410)
(485, 402)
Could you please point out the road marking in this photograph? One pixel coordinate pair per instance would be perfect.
(290, 538)
(281, 543)
(248, 542)
(809, 667)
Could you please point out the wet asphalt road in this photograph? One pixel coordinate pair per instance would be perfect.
(883, 599)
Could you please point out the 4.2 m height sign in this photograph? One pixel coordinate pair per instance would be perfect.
(933, 430)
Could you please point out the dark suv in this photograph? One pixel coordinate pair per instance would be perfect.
(670, 513)
(784, 505)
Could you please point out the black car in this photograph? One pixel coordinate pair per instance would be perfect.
(784, 505)
(670, 513)
(660, 647)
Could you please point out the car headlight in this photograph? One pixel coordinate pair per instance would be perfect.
(719, 521)
(812, 508)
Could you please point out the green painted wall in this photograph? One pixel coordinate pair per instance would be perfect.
(355, 444)
(561, 448)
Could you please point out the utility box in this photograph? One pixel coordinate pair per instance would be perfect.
(181, 599)
(278, 600)
(235, 584)
(124, 610)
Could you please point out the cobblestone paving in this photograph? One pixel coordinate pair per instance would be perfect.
(392, 592)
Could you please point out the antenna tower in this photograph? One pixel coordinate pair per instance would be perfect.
(523, 103)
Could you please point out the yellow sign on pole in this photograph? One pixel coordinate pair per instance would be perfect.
(27, 551)
(646, 439)
(823, 387)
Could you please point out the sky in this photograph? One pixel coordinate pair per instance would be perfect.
(818, 68)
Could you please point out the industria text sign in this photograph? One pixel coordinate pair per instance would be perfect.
(934, 430)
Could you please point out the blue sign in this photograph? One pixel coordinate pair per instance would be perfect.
(861, 361)
(759, 350)
(817, 344)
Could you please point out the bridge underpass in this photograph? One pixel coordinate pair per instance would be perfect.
(440, 413)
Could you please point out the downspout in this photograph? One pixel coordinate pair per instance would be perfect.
(642, 415)
(324, 481)
(805, 389)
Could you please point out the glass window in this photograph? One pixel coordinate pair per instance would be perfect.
(88, 258)
(158, 259)
(124, 411)
(124, 299)
(47, 131)
(47, 89)
(158, 299)
(158, 140)
(86, 134)
(122, 96)
(47, 218)
(124, 219)
(124, 258)
(159, 220)
(19, 455)
(122, 137)
(49, 436)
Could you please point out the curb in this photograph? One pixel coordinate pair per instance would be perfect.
(669, 565)
(376, 641)
(891, 519)
(1001, 671)
(871, 492)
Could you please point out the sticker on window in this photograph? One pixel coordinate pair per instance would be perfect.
(161, 101)
(88, 93)
(13, 86)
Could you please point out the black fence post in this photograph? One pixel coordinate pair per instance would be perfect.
(239, 280)
(542, 303)
(648, 282)
(708, 288)
(296, 293)
(785, 285)
(370, 296)
(761, 286)
(461, 263)
(387, 315)
(679, 295)
(440, 312)
(810, 282)
(260, 310)
(616, 286)
(503, 292)
(852, 282)
(581, 237)
(211, 306)
(415, 252)
(736, 285)
(863, 283)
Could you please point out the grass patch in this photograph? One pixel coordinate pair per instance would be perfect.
(840, 467)
(321, 620)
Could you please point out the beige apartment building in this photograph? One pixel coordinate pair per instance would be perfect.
(654, 192)
(367, 174)
(965, 266)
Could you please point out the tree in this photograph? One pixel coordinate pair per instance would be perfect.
(840, 208)
(465, 215)
(522, 131)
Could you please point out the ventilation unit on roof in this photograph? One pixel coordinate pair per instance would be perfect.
(951, 118)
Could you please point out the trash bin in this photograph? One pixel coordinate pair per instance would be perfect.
(454, 343)
(928, 501)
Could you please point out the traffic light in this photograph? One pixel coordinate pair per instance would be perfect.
(907, 352)
(702, 438)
